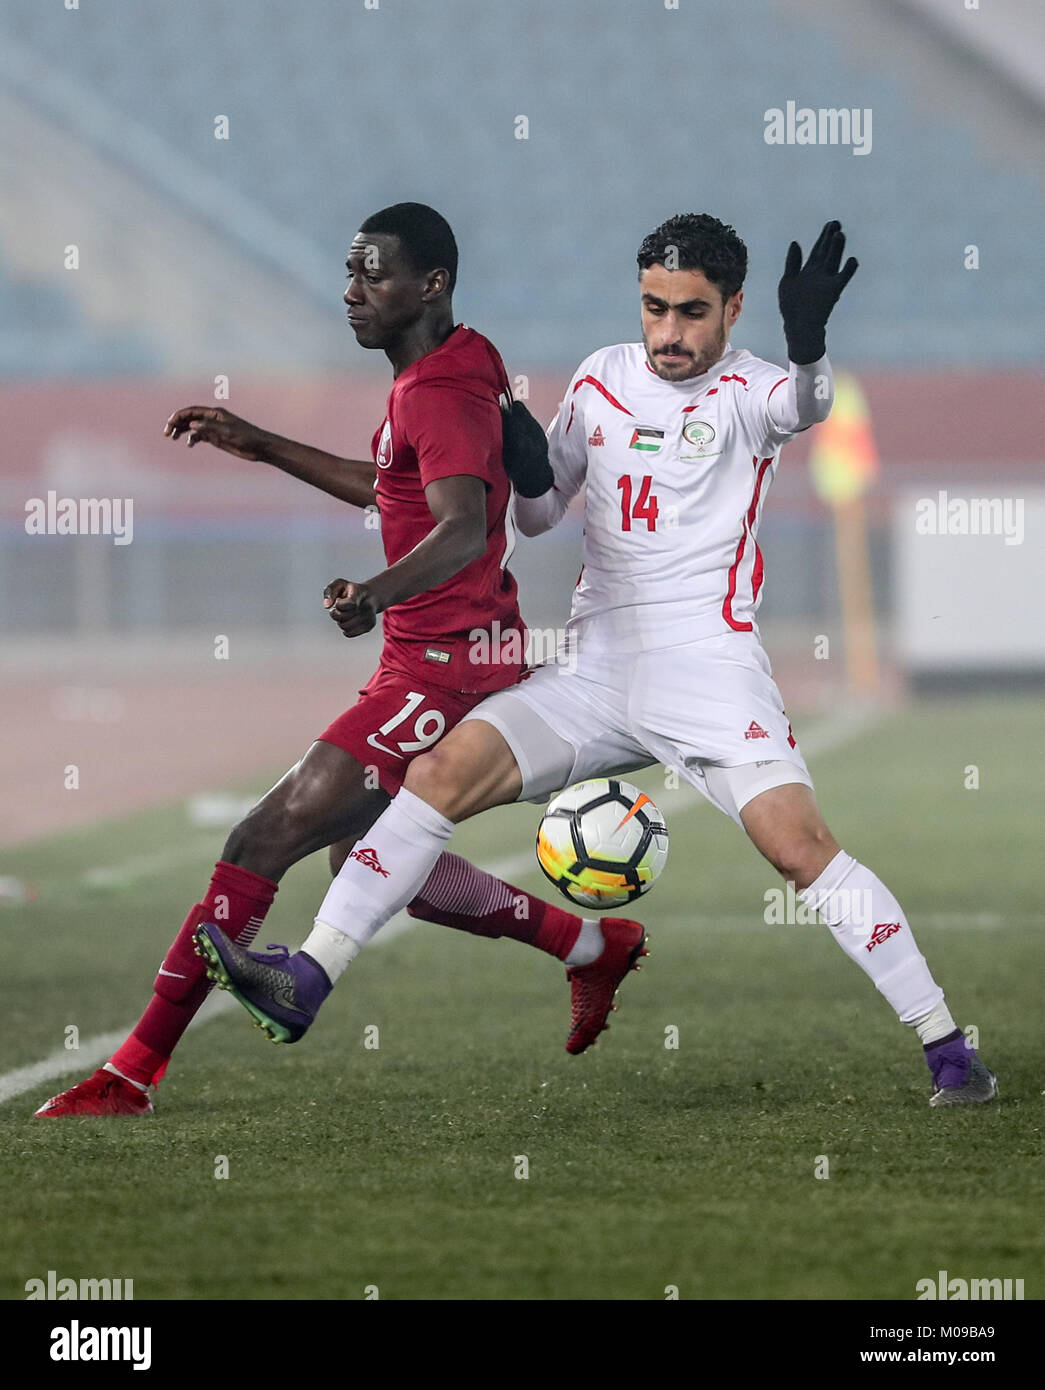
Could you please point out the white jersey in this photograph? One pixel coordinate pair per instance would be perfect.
(677, 476)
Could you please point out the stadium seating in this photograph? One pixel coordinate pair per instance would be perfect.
(350, 110)
(43, 332)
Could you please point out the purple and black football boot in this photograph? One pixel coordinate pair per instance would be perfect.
(281, 992)
(959, 1077)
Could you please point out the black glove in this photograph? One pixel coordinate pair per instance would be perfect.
(807, 293)
(525, 452)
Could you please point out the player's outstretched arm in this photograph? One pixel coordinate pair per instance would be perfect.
(350, 480)
(807, 293)
(458, 537)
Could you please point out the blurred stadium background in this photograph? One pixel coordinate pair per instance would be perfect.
(204, 259)
(201, 258)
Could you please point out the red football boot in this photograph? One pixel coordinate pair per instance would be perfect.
(592, 987)
(104, 1093)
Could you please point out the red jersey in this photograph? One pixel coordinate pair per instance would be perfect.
(444, 419)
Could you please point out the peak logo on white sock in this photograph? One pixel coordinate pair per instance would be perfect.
(408, 837)
(368, 857)
(882, 932)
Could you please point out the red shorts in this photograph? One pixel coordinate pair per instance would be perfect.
(396, 718)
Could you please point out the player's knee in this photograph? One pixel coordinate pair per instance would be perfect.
(237, 844)
(434, 779)
(247, 837)
(264, 834)
(802, 858)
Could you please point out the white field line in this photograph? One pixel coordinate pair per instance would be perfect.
(143, 865)
(832, 734)
(92, 1052)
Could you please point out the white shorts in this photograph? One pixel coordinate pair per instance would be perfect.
(709, 709)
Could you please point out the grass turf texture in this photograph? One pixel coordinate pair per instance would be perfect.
(648, 1167)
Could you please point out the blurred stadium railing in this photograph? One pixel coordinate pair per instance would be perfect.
(201, 257)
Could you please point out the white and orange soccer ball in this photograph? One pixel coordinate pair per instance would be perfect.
(602, 843)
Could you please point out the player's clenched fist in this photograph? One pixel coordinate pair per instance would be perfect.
(352, 606)
(525, 452)
(212, 425)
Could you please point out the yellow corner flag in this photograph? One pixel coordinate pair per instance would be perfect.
(843, 463)
(844, 460)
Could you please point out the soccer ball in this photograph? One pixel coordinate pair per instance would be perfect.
(602, 843)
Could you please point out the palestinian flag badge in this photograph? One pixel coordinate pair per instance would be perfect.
(646, 439)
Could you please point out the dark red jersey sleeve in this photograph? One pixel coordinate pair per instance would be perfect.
(451, 431)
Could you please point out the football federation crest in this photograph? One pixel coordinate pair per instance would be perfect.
(698, 433)
(646, 438)
(384, 447)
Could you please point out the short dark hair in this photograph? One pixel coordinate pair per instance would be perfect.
(699, 242)
(425, 236)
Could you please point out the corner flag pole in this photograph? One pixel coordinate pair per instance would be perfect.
(843, 463)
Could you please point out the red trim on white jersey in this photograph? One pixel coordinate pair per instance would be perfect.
(779, 383)
(592, 381)
(757, 569)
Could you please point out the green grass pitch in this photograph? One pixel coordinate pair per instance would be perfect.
(649, 1167)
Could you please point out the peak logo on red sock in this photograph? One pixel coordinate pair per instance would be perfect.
(369, 857)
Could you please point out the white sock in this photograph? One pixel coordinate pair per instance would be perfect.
(331, 949)
(589, 945)
(385, 869)
(936, 1024)
(869, 925)
(109, 1067)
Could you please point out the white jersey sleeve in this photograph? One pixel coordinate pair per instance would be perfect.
(779, 406)
(568, 456)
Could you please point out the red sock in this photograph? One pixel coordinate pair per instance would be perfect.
(237, 900)
(457, 894)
